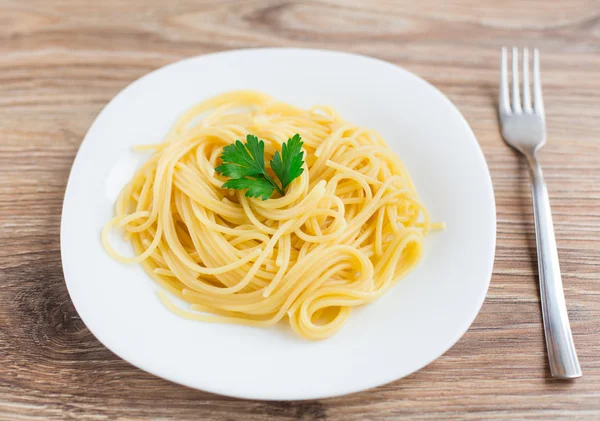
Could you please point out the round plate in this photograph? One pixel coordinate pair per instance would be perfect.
(406, 329)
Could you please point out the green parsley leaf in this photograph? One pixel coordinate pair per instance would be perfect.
(288, 165)
(237, 161)
(244, 164)
(255, 187)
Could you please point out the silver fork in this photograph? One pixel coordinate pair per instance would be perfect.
(524, 128)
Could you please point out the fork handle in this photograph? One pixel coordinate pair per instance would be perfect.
(559, 340)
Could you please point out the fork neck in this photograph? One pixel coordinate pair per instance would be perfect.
(531, 156)
(535, 172)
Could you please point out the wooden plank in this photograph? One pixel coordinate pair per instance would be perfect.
(62, 61)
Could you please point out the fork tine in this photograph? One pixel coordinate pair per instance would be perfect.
(516, 97)
(538, 102)
(503, 103)
(526, 87)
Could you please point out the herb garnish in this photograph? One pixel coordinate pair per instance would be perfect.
(244, 164)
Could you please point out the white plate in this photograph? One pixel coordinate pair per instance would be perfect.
(412, 325)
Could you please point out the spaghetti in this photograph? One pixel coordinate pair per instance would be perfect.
(344, 232)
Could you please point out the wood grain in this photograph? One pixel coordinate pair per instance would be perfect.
(61, 61)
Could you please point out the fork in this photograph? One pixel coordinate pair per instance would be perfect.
(524, 128)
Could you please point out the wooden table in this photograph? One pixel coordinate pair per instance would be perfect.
(62, 61)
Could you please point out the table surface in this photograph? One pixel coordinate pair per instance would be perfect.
(62, 61)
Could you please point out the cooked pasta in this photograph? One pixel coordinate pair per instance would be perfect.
(345, 231)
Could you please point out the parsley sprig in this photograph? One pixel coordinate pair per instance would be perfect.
(244, 164)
